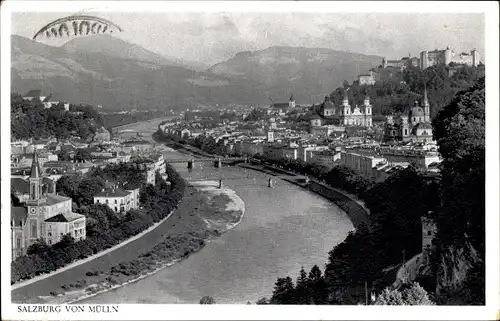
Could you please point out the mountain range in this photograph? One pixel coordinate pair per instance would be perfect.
(120, 75)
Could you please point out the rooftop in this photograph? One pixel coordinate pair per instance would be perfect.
(112, 192)
(65, 217)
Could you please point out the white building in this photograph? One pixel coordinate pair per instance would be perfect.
(117, 199)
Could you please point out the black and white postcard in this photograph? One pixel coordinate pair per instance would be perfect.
(250, 160)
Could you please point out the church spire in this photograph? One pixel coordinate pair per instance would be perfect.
(35, 166)
(291, 97)
(426, 101)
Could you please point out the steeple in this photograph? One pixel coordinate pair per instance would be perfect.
(291, 97)
(427, 108)
(426, 101)
(35, 166)
(35, 181)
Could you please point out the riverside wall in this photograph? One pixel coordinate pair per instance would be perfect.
(355, 211)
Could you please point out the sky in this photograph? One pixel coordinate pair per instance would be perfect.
(213, 37)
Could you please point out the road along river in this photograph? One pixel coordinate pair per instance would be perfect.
(283, 228)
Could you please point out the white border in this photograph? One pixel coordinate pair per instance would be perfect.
(219, 312)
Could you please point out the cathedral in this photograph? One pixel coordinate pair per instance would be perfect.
(345, 115)
(45, 215)
(413, 125)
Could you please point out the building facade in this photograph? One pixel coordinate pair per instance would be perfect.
(119, 200)
(359, 116)
(446, 56)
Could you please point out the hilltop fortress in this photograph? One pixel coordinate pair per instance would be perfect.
(432, 58)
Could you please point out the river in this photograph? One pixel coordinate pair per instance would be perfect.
(283, 228)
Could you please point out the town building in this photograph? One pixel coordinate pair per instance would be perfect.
(45, 215)
(327, 158)
(119, 200)
(360, 162)
(367, 79)
(402, 63)
(413, 125)
(282, 107)
(447, 56)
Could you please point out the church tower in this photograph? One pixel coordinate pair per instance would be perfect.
(368, 111)
(368, 107)
(291, 102)
(345, 105)
(426, 106)
(35, 181)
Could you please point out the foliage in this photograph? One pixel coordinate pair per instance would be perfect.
(207, 300)
(80, 190)
(30, 119)
(40, 246)
(460, 134)
(414, 295)
(397, 92)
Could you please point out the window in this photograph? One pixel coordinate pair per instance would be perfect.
(97, 201)
(50, 242)
(34, 229)
(116, 201)
(18, 243)
(116, 209)
(49, 234)
(107, 201)
(406, 131)
(429, 233)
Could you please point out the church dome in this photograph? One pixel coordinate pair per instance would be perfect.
(417, 112)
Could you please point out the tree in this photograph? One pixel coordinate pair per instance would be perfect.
(262, 301)
(82, 155)
(389, 297)
(302, 293)
(207, 300)
(460, 133)
(283, 291)
(317, 286)
(414, 295)
(39, 247)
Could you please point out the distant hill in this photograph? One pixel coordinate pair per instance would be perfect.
(111, 46)
(119, 75)
(308, 73)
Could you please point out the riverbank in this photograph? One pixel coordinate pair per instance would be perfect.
(205, 213)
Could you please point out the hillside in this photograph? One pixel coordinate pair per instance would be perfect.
(111, 46)
(308, 73)
(113, 73)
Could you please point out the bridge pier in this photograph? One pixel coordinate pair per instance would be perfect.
(220, 183)
(270, 183)
(218, 163)
(190, 164)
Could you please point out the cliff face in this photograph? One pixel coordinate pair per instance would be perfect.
(457, 276)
